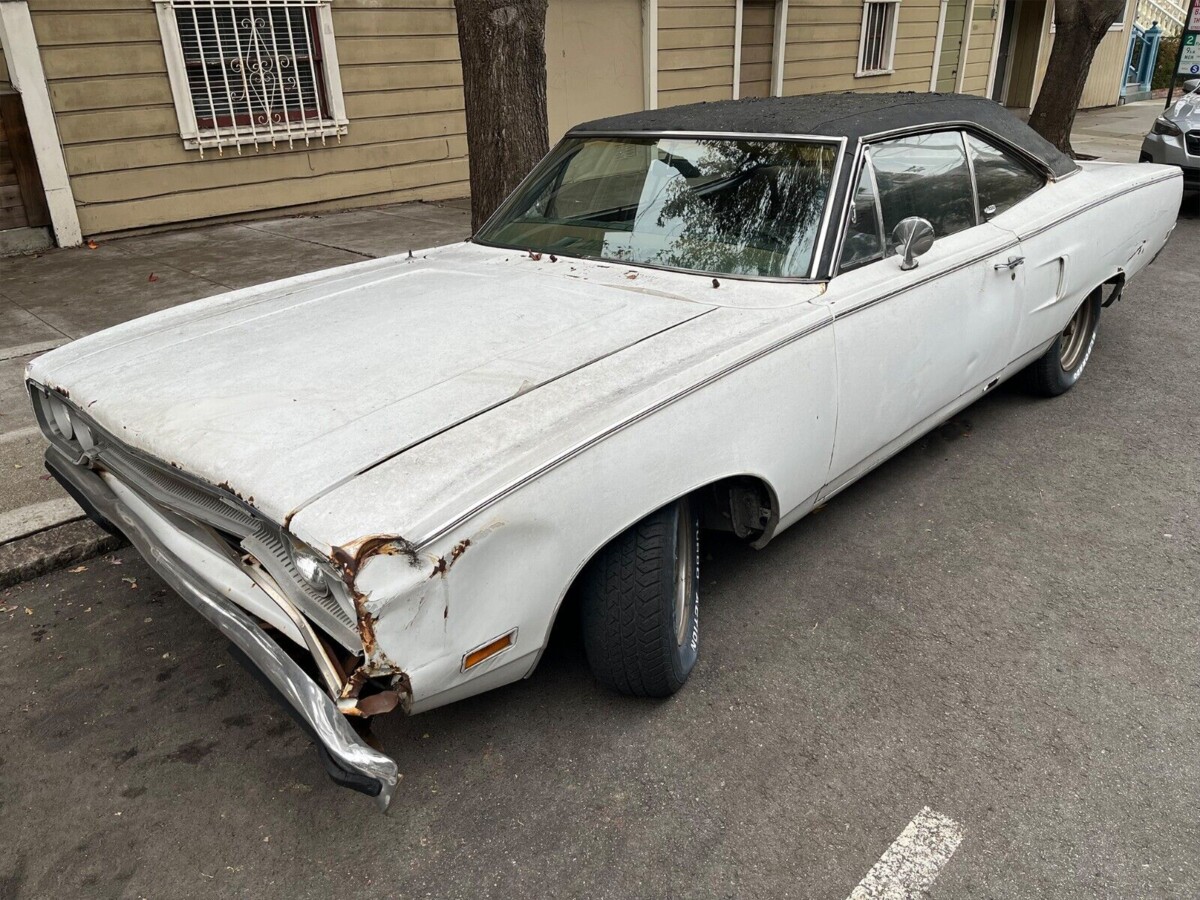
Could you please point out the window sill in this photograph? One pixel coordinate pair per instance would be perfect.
(212, 140)
(871, 73)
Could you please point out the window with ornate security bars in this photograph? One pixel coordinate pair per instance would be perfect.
(252, 73)
(877, 41)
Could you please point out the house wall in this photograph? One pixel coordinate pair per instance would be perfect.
(1103, 85)
(956, 17)
(583, 81)
(822, 47)
(695, 50)
(108, 84)
(5, 83)
(402, 82)
(979, 47)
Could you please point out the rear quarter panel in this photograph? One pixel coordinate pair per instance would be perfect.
(1108, 219)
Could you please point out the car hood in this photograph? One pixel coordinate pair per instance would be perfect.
(286, 390)
(1185, 112)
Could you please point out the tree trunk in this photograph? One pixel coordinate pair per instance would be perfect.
(503, 48)
(1080, 25)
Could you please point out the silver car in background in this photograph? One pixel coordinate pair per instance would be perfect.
(1174, 139)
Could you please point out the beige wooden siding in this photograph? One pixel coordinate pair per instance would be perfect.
(594, 62)
(979, 49)
(107, 74)
(695, 50)
(952, 39)
(758, 42)
(1103, 85)
(5, 83)
(822, 47)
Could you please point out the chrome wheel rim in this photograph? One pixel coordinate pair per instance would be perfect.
(685, 573)
(1074, 339)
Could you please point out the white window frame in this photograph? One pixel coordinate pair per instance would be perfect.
(894, 26)
(332, 122)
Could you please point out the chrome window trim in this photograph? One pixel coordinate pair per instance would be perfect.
(822, 227)
(1020, 160)
(962, 128)
(851, 189)
(962, 139)
(963, 125)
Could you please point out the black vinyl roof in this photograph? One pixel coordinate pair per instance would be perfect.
(850, 115)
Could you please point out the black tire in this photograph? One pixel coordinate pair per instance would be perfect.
(1057, 370)
(638, 639)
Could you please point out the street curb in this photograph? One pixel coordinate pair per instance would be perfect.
(52, 549)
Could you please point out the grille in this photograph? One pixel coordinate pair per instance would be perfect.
(262, 539)
(1192, 141)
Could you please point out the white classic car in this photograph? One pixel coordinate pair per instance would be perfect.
(380, 482)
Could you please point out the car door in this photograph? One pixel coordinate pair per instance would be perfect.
(1010, 192)
(912, 346)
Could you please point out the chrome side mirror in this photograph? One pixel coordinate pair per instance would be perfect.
(913, 237)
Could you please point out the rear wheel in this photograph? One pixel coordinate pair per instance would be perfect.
(1057, 370)
(641, 603)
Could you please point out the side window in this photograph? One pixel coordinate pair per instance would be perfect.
(864, 241)
(925, 175)
(1002, 179)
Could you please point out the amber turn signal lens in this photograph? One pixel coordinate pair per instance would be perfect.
(475, 657)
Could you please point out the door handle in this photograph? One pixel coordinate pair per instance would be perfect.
(1013, 262)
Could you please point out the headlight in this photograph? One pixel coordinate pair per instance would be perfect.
(61, 418)
(1166, 127)
(310, 567)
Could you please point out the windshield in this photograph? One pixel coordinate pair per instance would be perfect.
(713, 205)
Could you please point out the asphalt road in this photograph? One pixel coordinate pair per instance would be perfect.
(1000, 624)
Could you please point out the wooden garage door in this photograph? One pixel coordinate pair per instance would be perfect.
(22, 201)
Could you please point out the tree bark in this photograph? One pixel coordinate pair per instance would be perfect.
(1080, 25)
(503, 48)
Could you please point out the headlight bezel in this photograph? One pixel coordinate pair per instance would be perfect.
(1164, 127)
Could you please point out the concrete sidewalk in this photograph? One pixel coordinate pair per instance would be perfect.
(50, 298)
(1114, 133)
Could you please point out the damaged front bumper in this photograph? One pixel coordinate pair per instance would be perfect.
(219, 590)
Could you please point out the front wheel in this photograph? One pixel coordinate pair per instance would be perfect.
(1057, 370)
(641, 604)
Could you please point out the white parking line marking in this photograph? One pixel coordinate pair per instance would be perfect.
(37, 517)
(909, 867)
(7, 353)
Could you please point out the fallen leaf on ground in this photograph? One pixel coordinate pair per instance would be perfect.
(152, 277)
(92, 245)
(77, 570)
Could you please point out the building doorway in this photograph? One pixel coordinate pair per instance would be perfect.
(22, 199)
(1017, 57)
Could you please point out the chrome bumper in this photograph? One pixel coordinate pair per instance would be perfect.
(205, 579)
